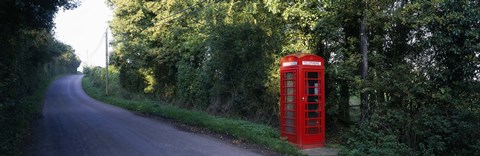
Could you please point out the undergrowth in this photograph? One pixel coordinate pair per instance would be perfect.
(16, 118)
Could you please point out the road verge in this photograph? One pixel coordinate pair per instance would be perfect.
(259, 134)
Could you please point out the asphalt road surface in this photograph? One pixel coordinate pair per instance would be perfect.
(72, 123)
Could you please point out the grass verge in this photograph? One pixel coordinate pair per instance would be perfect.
(262, 135)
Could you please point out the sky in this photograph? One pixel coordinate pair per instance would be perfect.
(83, 28)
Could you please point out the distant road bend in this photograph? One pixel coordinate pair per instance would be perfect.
(72, 123)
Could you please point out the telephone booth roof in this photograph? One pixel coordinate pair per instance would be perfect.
(303, 59)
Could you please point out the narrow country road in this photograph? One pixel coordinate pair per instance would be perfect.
(72, 124)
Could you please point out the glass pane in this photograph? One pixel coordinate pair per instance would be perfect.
(289, 98)
(312, 75)
(313, 91)
(289, 75)
(312, 123)
(312, 115)
(313, 130)
(289, 83)
(290, 91)
(312, 107)
(290, 114)
(313, 83)
(290, 106)
(312, 98)
(290, 122)
(289, 129)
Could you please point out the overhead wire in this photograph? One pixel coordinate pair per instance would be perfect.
(101, 42)
(163, 19)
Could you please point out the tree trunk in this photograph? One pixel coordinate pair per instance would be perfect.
(364, 65)
(344, 110)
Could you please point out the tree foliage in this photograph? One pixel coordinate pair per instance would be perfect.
(222, 57)
(201, 54)
(30, 56)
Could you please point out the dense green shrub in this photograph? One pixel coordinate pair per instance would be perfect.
(237, 67)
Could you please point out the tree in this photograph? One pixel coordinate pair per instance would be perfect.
(364, 65)
(30, 57)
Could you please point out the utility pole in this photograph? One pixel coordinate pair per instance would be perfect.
(106, 61)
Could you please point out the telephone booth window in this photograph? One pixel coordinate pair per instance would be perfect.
(289, 110)
(312, 106)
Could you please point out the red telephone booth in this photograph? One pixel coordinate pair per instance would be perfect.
(302, 100)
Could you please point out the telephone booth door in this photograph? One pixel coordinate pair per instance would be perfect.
(312, 102)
